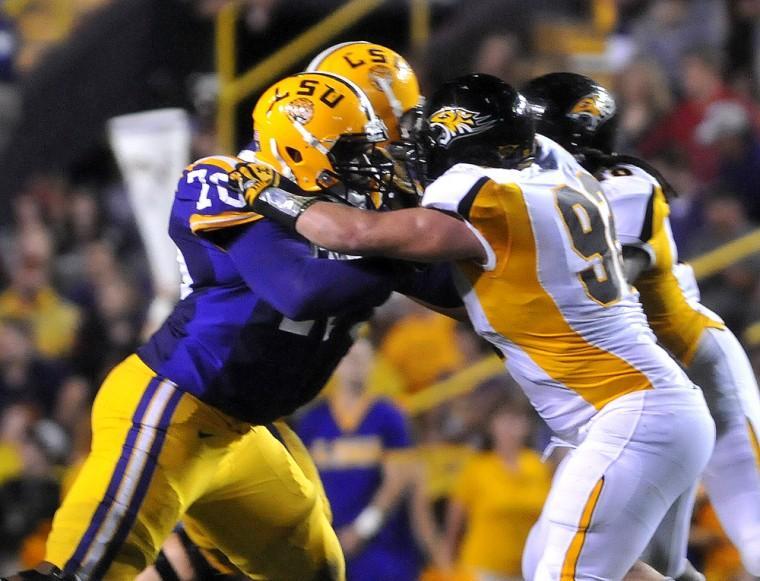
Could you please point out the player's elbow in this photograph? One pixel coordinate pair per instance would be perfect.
(302, 303)
(300, 309)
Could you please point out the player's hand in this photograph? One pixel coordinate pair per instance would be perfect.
(251, 178)
(264, 192)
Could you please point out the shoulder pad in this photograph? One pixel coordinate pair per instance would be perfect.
(214, 205)
(550, 154)
(627, 186)
(460, 182)
(223, 163)
(626, 170)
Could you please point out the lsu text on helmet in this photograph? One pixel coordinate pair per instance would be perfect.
(383, 74)
(477, 119)
(319, 129)
(573, 110)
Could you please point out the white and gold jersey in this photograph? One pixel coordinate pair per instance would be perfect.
(668, 289)
(552, 296)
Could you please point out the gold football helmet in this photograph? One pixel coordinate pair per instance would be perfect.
(319, 129)
(383, 74)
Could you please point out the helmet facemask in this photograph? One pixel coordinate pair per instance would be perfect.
(321, 130)
(407, 155)
(359, 166)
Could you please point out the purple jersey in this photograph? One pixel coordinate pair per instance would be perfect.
(349, 457)
(263, 320)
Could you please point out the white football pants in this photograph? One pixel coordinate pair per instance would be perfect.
(732, 477)
(641, 453)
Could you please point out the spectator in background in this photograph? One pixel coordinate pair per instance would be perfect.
(644, 98)
(743, 46)
(72, 409)
(15, 419)
(8, 49)
(461, 418)
(10, 99)
(501, 55)
(32, 298)
(360, 446)
(113, 324)
(498, 497)
(686, 208)
(44, 202)
(29, 500)
(730, 291)
(465, 21)
(83, 226)
(727, 129)
(702, 86)
(422, 347)
(668, 29)
(24, 376)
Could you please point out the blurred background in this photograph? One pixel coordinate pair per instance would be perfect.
(80, 275)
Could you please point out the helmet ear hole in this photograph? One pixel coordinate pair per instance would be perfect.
(294, 154)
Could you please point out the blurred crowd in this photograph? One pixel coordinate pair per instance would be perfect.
(75, 284)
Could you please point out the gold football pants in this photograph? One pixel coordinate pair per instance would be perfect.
(159, 454)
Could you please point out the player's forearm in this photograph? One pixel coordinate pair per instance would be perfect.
(416, 234)
(342, 229)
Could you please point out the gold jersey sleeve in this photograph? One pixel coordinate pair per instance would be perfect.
(677, 320)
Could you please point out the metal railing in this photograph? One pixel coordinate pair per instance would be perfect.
(725, 255)
(233, 89)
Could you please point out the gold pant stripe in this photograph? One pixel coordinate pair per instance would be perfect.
(576, 545)
(755, 443)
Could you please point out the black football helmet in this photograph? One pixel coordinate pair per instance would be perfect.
(476, 119)
(573, 110)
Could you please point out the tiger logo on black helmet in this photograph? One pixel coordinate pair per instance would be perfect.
(593, 109)
(452, 123)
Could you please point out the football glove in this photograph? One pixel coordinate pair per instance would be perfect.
(268, 194)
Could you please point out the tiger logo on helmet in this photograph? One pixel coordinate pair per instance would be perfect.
(317, 129)
(451, 123)
(300, 110)
(593, 109)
